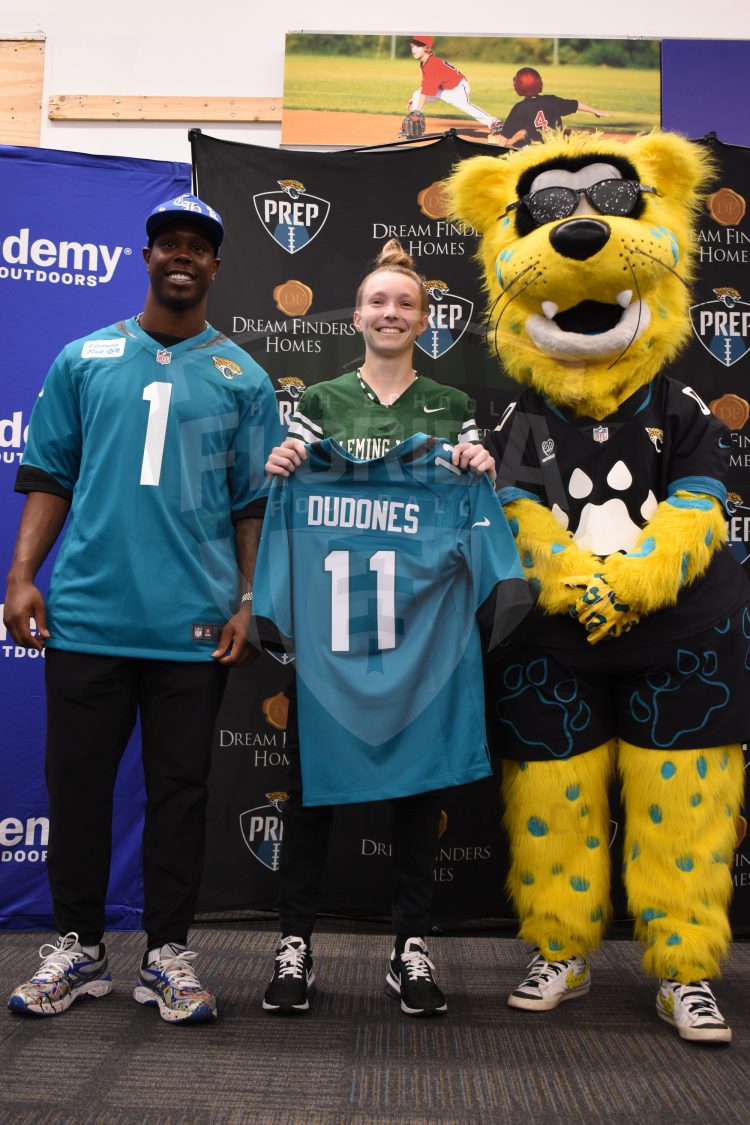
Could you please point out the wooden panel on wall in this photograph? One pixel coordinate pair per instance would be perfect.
(130, 107)
(21, 80)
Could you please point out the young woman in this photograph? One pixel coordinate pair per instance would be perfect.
(369, 411)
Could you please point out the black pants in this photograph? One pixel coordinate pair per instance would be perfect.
(92, 702)
(304, 849)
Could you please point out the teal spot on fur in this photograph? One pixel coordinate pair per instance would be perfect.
(636, 850)
(728, 810)
(651, 939)
(527, 878)
(702, 766)
(523, 766)
(694, 922)
(515, 329)
(596, 914)
(592, 842)
(709, 537)
(537, 827)
(646, 548)
(695, 799)
(685, 565)
(556, 869)
(535, 584)
(650, 913)
(668, 769)
(688, 502)
(556, 946)
(528, 559)
(656, 814)
(663, 314)
(685, 863)
(718, 857)
(584, 810)
(573, 792)
(723, 760)
(513, 525)
(558, 548)
(578, 883)
(674, 939)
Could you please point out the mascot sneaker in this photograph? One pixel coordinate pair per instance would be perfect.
(550, 982)
(166, 980)
(65, 974)
(293, 980)
(410, 979)
(692, 1010)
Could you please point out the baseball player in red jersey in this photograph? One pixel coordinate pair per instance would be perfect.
(442, 82)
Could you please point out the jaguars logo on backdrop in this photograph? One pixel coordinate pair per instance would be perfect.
(262, 830)
(291, 216)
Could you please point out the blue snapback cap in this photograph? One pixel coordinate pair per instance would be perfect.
(186, 205)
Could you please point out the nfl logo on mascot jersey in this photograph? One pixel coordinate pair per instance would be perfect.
(292, 217)
(448, 318)
(262, 830)
(723, 325)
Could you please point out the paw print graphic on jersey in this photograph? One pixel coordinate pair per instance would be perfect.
(548, 714)
(608, 527)
(682, 701)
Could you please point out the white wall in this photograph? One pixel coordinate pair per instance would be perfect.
(225, 47)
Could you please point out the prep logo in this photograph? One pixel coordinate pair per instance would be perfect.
(739, 526)
(448, 318)
(262, 830)
(103, 349)
(24, 257)
(292, 217)
(723, 325)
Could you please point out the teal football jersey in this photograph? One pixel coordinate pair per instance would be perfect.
(377, 575)
(159, 449)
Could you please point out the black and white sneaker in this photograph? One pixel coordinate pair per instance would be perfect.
(293, 980)
(410, 978)
(548, 983)
(692, 1010)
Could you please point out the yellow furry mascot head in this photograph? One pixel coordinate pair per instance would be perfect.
(587, 255)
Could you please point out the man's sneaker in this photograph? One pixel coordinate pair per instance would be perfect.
(169, 982)
(410, 977)
(550, 982)
(65, 974)
(293, 980)
(691, 1008)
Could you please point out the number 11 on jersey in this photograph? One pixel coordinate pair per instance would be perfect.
(383, 564)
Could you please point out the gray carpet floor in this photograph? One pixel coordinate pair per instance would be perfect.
(355, 1059)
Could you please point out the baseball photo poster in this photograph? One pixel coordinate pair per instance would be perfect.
(346, 89)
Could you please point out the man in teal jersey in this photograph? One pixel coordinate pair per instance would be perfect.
(152, 435)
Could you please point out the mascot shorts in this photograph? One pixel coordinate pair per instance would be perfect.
(691, 692)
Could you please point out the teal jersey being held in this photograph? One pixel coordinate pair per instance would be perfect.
(161, 450)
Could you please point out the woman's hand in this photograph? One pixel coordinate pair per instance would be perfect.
(285, 458)
(475, 457)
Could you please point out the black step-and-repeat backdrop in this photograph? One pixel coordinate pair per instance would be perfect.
(304, 228)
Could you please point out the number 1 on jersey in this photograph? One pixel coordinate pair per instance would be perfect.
(158, 396)
(383, 563)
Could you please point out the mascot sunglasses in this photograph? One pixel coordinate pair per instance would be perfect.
(608, 197)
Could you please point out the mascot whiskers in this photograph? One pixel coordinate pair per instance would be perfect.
(612, 476)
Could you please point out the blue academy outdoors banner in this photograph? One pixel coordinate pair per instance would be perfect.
(71, 232)
(305, 228)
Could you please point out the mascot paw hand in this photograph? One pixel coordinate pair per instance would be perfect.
(600, 611)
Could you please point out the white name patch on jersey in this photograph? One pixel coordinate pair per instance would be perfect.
(377, 515)
(103, 349)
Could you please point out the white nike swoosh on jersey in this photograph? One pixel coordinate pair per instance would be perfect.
(432, 409)
(482, 523)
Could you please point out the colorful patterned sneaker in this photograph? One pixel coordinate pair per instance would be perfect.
(410, 977)
(65, 974)
(293, 980)
(691, 1008)
(168, 981)
(550, 982)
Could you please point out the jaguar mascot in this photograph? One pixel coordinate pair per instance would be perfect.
(612, 477)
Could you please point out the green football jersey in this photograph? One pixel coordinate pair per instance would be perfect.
(348, 410)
